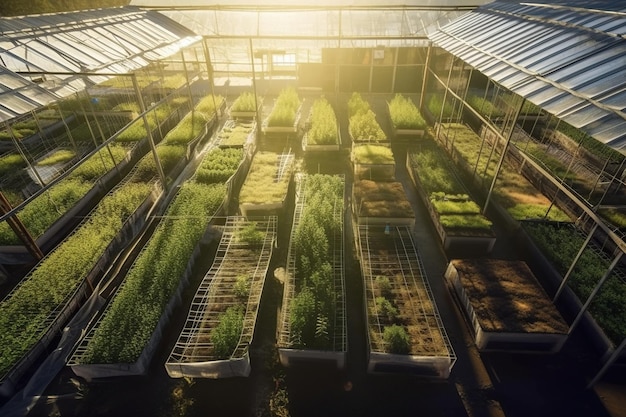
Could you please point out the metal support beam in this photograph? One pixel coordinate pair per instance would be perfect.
(144, 116)
(20, 230)
(574, 262)
(594, 292)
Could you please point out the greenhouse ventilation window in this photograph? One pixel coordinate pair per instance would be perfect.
(567, 57)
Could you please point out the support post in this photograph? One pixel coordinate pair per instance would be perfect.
(142, 108)
(594, 292)
(20, 230)
(574, 262)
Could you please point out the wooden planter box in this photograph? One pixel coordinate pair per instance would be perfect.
(394, 217)
(506, 306)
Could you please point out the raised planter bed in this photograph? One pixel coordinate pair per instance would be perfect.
(123, 342)
(37, 309)
(245, 106)
(406, 120)
(457, 218)
(209, 346)
(237, 134)
(285, 114)
(323, 134)
(381, 202)
(265, 189)
(506, 306)
(405, 332)
(315, 281)
(373, 162)
(553, 247)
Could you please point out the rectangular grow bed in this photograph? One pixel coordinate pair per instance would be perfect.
(393, 275)
(381, 202)
(288, 352)
(194, 354)
(506, 306)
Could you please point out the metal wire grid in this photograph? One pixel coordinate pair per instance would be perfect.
(215, 293)
(403, 261)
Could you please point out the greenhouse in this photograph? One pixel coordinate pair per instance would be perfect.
(327, 208)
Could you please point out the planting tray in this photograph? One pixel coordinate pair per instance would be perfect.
(393, 257)
(506, 306)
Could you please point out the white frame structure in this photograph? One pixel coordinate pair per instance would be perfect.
(338, 354)
(407, 263)
(216, 289)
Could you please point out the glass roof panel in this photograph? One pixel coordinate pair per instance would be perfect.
(556, 56)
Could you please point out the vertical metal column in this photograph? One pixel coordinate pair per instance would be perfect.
(594, 292)
(210, 75)
(142, 107)
(574, 262)
(504, 150)
(425, 76)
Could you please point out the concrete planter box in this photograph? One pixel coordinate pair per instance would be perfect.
(292, 357)
(227, 368)
(523, 320)
(423, 366)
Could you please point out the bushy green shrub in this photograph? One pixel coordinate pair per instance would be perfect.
(323, 121)
(397, 340)
(245, 102)
(363, 127)
(225, 336)
(404, 114)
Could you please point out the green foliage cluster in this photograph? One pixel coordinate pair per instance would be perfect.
(26, 313)
(594, 146)
(313, 307)
(512, 191)
(241, 289)
(363, 127)
(47, 208)
(323, 120)
(262, 185)
(484, 107)
(154, 276)
(235, 133)
(435, 104)
(17, 133)
(11, 163)
(381, 199)
(245, 102)
(285, 108)
(137, 130)
(446, 192)
(60, 156)
(560, 244)
(250, 235)
(356, 105)
(219, 165)
(397, 339)
(373, 155)
(405, 114)
(169, 156)
(226, 334)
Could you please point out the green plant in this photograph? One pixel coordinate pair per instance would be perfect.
(241, 289)
(245, 102)
(323, 121)
(356, 105)
(397, 339)
(219, 165)
(435, 104)
(225, 336)
(263, 184)
(285, 108)
(404, 114)
(384, 285)
(373, 155)
(58, 157)
(250, 235)
(363, 127)
(386, 309)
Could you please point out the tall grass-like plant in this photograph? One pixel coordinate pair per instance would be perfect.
(364, 127)
(285, 108)
(404, 114)
(219, 165)
(263, 185)
(25, 313)
(323, 121)
(373, 154)
(245, 102)
(58, 157)
(356, 105)
(136, 309)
